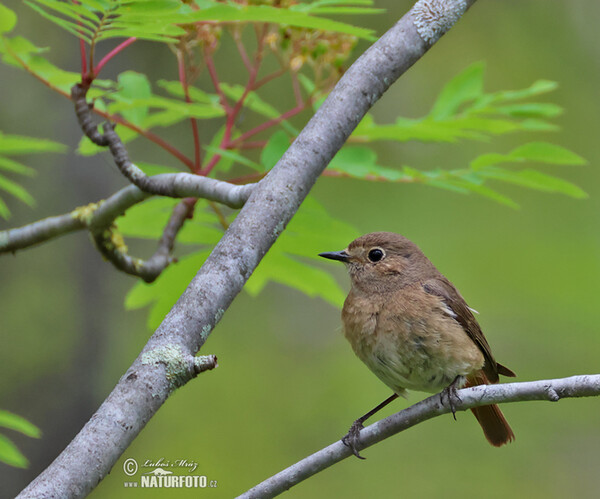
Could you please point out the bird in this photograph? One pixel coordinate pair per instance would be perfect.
(413, 329)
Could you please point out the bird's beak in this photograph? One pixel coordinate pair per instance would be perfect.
(342, 256)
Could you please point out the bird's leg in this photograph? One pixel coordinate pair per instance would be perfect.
(450, 392)
(352, 438)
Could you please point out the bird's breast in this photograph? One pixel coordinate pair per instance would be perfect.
(409, 341)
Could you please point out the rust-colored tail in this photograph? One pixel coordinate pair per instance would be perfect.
(495, 427)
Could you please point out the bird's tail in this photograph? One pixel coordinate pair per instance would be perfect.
(495, 427)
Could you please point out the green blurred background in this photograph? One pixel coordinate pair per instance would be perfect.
(288, 384)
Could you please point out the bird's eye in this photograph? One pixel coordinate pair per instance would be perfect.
(376, 254)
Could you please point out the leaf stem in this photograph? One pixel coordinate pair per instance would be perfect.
(113, 53)
(188, 99)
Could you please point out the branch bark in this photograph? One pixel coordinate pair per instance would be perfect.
(551, 390)
(166, 362)
(98, 216)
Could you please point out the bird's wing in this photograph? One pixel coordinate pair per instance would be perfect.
(462, 314)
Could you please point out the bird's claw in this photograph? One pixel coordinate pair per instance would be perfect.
(450, 392)
(352, 438)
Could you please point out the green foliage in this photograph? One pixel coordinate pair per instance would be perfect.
(464, 111)
(299, 38)
(288, 261)
(14, 145)
(8, 19)
(9, 453)
(161, 20)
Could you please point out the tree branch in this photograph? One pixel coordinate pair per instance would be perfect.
(110, 243)
(100, 215)
(164, 363)
(551, 390)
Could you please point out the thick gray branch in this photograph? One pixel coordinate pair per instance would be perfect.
(552, 390)
(164, 363)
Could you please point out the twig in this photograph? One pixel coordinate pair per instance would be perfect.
(110, 244)
(111, 54)
(552, 390)
(176, 185)
(194, 124)
(100, 215)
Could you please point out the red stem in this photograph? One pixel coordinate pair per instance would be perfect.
(232, 113)
(193, 122)
(242, 50)
(269, 77)
(83, 59)
(267, 124)
(212, 71)
(112, 53)
(297, 91)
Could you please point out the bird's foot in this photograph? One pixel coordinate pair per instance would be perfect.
(352, 438)
(450, 392)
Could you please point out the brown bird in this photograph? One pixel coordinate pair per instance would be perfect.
(414, 330)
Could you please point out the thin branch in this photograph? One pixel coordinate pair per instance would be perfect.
(266, 79)
(237, 36)
(176, 185)
(39, 232)
(98, 216)
(166, 362)
(113, 53)
(152, 137)
(268, 124)
(551, 390)
(112, 247)
(212, 71)
(194, 123)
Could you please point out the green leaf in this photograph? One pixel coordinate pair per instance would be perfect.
(196, 94)
(11, 455)
(134, 88)
(336, 7)
(256, 104)
(72, 27)
(185, 109)
(531, 110)
(542, 152)
(534, 180)
(150, 20)
(311, 231)
(484, 191)
(18, 423)
(8, 19)
(164, 292)
(234, 157)
(13, 166)
(537, 88)
(361, 162)
(16, 190)
(4, 211)
(18, 144)
(233, 12)
(29, 54)
(280, 268)
(464, 87)
(547, 153)
(147, 220)
(274, 149)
